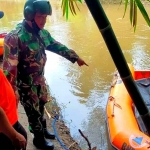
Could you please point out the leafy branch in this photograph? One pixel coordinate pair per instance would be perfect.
(71, 5)
(134, 4)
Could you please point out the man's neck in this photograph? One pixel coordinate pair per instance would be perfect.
(29, 23)
(33, 25)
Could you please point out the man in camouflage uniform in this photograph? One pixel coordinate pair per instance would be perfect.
(23, 64)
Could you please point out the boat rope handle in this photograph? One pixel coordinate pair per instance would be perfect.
(114, 80)
(111, 98)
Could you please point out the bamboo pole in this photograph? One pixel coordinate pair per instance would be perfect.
(116, 53)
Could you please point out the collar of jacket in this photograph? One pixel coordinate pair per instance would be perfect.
(34, 30)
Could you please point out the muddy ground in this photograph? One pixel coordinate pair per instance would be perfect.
(62, 131)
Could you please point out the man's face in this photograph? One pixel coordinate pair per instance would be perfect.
(40, 20)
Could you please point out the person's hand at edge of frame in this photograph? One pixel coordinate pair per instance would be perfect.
(19, 141)
(81, 62)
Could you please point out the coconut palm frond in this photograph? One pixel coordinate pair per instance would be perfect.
(71, 5)
(134, 4)
(143, 11)
(64, 6)
(126, 5)
(134, 21)
(133, 14)
(131, 11)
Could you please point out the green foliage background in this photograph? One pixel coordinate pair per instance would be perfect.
(133, 4)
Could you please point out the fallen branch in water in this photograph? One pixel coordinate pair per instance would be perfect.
(89, 144)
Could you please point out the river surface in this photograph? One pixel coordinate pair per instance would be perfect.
(82, 92)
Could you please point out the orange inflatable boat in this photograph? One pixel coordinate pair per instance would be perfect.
(2, 35)
(125, 127)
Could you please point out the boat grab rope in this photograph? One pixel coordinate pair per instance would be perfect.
(111, 98)
(56, 134)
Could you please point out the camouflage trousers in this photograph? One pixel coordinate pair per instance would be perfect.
(33, 99)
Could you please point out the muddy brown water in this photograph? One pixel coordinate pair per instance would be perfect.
(82, 92)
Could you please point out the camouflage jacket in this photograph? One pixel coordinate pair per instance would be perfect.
(24, 55)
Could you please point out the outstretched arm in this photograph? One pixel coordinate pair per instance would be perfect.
(65, 52)
(5, 127)
(62, 50)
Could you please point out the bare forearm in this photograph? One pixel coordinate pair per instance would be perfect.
(5, 126)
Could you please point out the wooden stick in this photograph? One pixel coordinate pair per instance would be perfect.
(72, 144)
(89, 144)
(48, 114)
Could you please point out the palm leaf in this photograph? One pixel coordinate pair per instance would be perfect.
(143, 11)
(71, 5)
(67, 9)
(77, 5)
(71, 9)
(134, 16)
(131, 11)
(126, 5)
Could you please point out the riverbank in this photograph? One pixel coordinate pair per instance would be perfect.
(62, 130)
